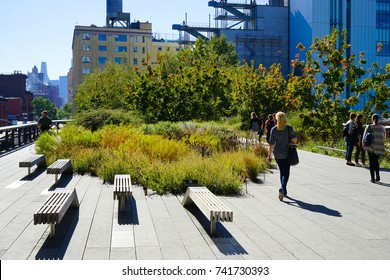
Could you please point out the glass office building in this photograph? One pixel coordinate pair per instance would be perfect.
(367, 23)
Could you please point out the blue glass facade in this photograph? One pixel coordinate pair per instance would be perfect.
(367, 23)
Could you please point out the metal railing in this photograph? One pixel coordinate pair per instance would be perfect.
(15, 136)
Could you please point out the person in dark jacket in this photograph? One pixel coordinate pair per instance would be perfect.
(359, 138)
(254, 127)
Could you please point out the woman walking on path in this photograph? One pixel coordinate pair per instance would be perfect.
(254, 127)
(359, 148)
(377, 147)
(279, 141)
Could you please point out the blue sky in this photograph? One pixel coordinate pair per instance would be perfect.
(33, 31)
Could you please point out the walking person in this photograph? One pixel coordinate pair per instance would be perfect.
(349, 138)
(280, 137)
(254, 127)
(359, 138)
(269, 124)
(377, 147)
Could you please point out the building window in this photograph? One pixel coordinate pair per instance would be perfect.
(120, 38)
(102, 60)
(143, 39)
(143, 49)
(120, 49)
(120, 60)
(86, 47)
(159, 48)
(383, 27)
(135, 49)
(135, 61)
(86, 70)
(102, 37)
(102, 48)
(135, 39)
(86, 36)
(86, 59)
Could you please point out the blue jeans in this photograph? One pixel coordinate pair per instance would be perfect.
(284, 167)
(349, 150)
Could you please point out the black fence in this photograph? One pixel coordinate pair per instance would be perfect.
(15, 136)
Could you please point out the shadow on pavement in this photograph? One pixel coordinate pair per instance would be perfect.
(55, 248)
(222, 239)
(130, 215)
(312, 207)
(33, 175)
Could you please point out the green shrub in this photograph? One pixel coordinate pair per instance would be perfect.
(96, 119)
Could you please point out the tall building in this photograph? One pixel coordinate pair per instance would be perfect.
(119, 42)
(37, 85)
(259, 30)
(367, 23)
(46, 78)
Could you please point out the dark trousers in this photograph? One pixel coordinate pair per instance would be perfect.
(360, 151)
(374, 165)
(284, 167)
(349, 150)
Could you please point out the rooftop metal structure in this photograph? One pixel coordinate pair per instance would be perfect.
(115, 16)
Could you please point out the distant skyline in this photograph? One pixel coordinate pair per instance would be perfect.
(42, 30)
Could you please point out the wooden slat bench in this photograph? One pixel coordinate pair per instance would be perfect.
(209, 204)
(39, 160)
(122, 190)
(54, 208)
(59, 167)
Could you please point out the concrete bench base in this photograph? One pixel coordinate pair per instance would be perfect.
(59, 167)
(39, 160)
(54, 208)
(209, 205)
(122, 190)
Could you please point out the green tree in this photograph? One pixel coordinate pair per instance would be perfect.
(39, 104)
(108, 89)
(327, 58)
(65, 112)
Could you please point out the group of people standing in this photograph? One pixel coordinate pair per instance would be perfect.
(354, 134)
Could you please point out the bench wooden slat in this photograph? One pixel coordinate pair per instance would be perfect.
(209, 205)
(38, 160)
(58, 167)
(54, 208)
(122, 189)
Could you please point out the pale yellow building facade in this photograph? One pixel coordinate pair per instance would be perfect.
(94, 46)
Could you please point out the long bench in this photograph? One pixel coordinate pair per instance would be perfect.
(54, 208)
(209, 205)
(39, 160)
(59, 167)
(122, 190)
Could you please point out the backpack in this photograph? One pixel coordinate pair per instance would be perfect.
(354, 132)
(367, 140)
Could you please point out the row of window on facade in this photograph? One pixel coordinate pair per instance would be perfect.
(103, 48)
(117, 38)
(103, 60)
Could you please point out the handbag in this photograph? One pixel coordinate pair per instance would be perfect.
(367, 139)
(292, 157)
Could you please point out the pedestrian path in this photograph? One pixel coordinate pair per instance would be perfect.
(333, 212)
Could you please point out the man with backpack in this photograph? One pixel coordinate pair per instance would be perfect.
(350, 135)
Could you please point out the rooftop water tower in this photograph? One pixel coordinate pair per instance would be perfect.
(115, 17)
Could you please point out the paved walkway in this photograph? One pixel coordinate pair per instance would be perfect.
(333, 212)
